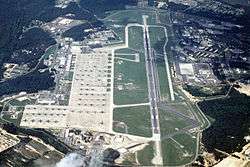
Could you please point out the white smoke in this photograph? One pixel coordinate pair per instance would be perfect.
(72, 160)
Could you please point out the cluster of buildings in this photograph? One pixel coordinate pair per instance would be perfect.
(206, 41)
(197, 73)
(191, 3)
(100, 38)
(61, 24)
(64, 3)
(89, 96)
(14, 70)
(76, 137)
(212, 6)
(7, 140)
(219, 8)
(196, 44)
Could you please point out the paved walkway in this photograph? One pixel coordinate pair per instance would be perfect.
(131, 105)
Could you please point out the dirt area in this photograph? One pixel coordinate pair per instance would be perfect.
(244, 88)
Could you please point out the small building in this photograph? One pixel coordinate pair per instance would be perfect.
(186, 69)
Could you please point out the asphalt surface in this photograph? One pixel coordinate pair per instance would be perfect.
(152, 77)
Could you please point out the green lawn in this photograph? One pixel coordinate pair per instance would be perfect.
(179, 150)
(117, 20)
(157, 38)
(124, 17)
(180, 97)
(135, 38)
(15, 102)
(183, 108)
(170, 123)
(137, 120)
(125, 50)
(130, 82)
(69, 76)
(130, 85)
(50, 51)
(163, 81)
(16, 121)
(145, 155)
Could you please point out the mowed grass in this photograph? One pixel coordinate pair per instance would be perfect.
(193, 108)
(25, 102)
(170, 123)
(137, 120)
(124, 17)
(16, 121)
(130, 86)
(50, 51)
(183, 108)
(135, 38)
(157, 38)
(126, 51)
(130, 82)
(179, 150)
(146, 155)
(119, 19)
(163, 81)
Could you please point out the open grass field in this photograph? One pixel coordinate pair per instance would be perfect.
(135, 38)
(130, 80)
(124, 17)
(126, 51)
(16, 121)
(183, 108)
(179, 150)
(117, 20)
(170, 123)
(157, 39)
(145, 155)
(204, 122)
(130, 86)
(23, 103)
(50, 51)
(180, 98)
(133, 120)
(163, 81)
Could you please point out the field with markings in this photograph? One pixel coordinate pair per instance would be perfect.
(176, 118)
